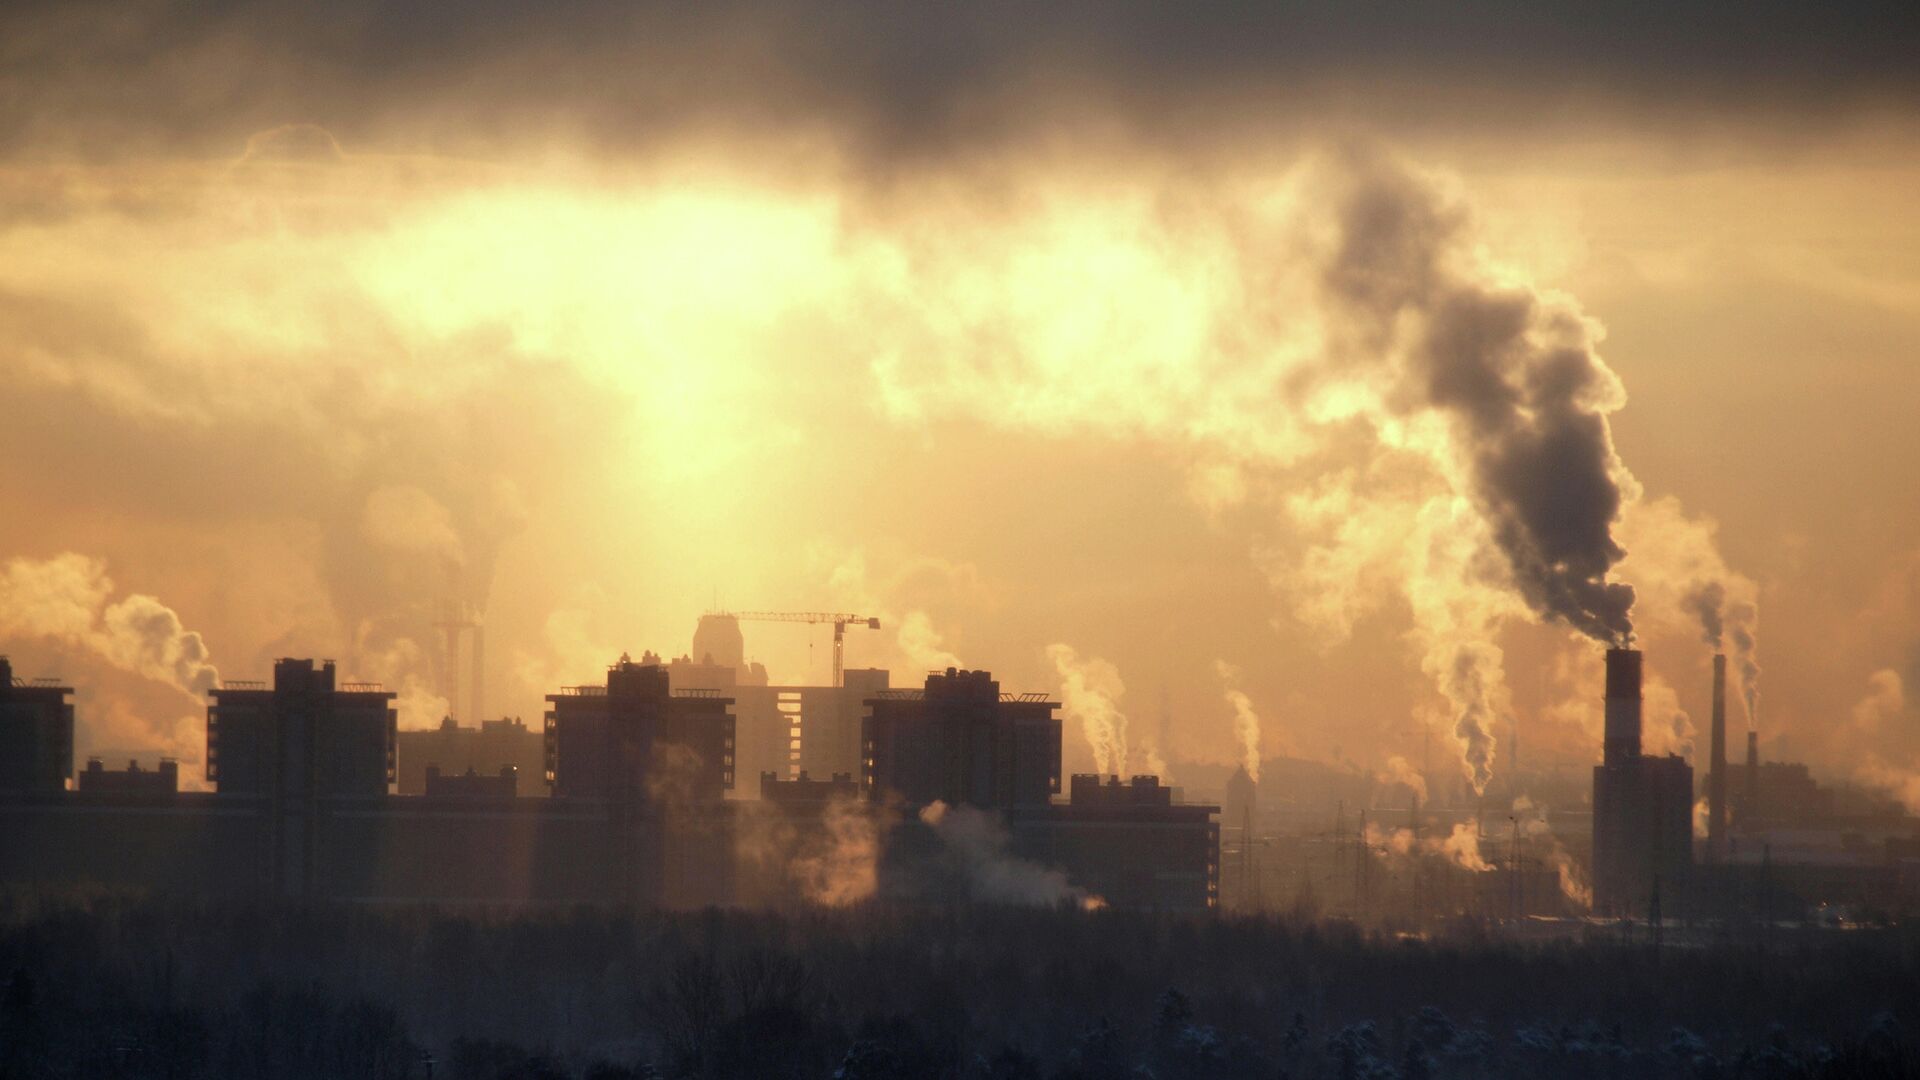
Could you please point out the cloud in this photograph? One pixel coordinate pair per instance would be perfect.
(905, 84)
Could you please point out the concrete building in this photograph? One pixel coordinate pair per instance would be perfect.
(1132, 845)
(962, 741)
(291, 745)
(306, 735)
(787, 729)
(96, 777)
(453, 750)
(805, 791)
(1642, 808)
(36, 733)
(636, 739)
(503, 784)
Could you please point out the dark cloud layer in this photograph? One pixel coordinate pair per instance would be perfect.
(901, 81)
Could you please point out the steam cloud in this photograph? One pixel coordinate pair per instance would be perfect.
(1889, 768)
(1398, 771)
(979, 843)
(65, 598)
(1246, 722)
(1090, 690)
(1723, 619)
(845, 870)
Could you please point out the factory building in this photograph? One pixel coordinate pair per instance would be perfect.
(1642, 808)
(963, 742)
(453, 750)
(637, 739)
(36, 733)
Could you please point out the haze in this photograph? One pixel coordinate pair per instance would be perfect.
(1049, 344)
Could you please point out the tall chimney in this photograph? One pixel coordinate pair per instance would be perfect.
(1750, 805)
(477, 688)
(1623, 706)
(1717, 777)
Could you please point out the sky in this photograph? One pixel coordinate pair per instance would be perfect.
(1325, 377)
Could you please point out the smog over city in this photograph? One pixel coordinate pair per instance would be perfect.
(871, 540)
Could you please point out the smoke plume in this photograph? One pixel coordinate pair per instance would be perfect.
(1090, 691)
(1461, 847)
(1398, 771)
(844, 870)
(65, 601)
(1533, 825)
(65, 598)
(1515, 378)
(978, 843)
(1886, 763)
(1246, 722)
(1736, 620)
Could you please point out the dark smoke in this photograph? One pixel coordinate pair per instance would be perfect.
(1521, 382)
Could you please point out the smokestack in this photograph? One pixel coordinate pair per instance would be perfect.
(476, 688)
(1750, 805)
(1623, 706)
(1717, 777)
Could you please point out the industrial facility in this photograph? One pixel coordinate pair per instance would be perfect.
(691, 782)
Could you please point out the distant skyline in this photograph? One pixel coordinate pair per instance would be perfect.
(1049, 341)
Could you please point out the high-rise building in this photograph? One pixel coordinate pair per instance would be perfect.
(306, 735)
(961, 741)
(292, 744)
(36, 733)
(637, 740)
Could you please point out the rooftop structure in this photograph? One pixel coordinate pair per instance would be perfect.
(133, 779)
(637, 739)
(961, 741)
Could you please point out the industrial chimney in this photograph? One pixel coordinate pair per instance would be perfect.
(1750, 804)
(1623, 706)
(476, 693)
(1717, 777)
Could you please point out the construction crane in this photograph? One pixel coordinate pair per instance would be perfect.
(840, 623)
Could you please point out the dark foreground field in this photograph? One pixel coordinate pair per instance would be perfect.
(114, 988)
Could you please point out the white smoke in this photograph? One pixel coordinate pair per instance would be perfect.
(401, 517)
(993, 875)
(1090, 692)
(1883, 764)
(1246, 722)
(65, 600)
(1460, 847)
(924, 647)
(1398, 771)
(844, 870)
(1533, 825)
